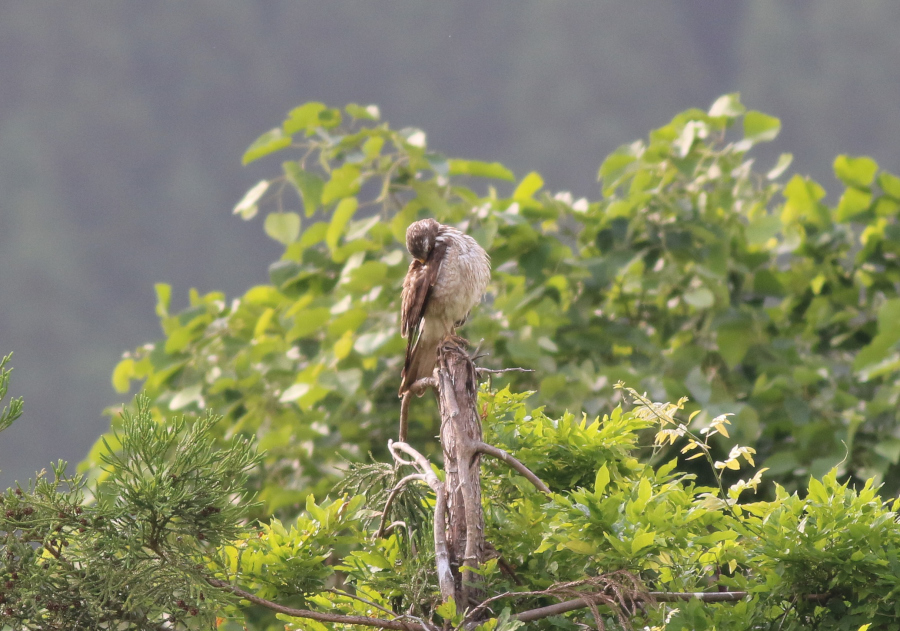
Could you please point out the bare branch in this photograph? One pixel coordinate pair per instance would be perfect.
(582, 603)
(390, 500)
(497, 371)
(364, 621)
(441, 551)
(511, 460)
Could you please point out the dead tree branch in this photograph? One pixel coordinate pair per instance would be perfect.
(513, 462)
(460, 433)
(319, 616)
(441, 551)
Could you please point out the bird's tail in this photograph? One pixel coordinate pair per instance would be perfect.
(421, 357)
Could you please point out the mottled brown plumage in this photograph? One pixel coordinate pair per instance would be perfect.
(446, 279)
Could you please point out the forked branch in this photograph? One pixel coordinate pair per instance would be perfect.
(441, 551)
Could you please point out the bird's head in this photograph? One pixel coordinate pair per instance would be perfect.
(420, 238)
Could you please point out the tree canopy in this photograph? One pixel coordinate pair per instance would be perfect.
(695, 275)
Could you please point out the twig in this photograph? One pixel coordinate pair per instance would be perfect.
(318, 615)
(340, 592)
(390, 500)
(511, 460)
(441, 551)
(669, 597)
(660, 597)
(392, 525)
(497, 371)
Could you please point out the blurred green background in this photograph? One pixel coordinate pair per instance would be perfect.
(122, 127)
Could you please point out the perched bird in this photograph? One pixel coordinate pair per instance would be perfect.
(446, 279)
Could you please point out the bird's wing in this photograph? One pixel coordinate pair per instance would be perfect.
(420, 278)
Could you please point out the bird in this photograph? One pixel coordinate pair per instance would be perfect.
(446, 279)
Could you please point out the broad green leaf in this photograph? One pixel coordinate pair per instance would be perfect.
(294, 392)
(344, 182)
(308, 185)
(817, 492)
(641, 541)
(580, 546)
(759, 127)
(283, 227)
(481, 169)
(727, 105)
(187, 396)
(701, 298)
(122, 374)
(859, 172)
(734, 340)
(270, 142)
(803, 197)
(342, 215)
(309, 116)
(529, 185)
(890, 184)
(853, 202)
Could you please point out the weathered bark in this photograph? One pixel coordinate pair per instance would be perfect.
(457, 386)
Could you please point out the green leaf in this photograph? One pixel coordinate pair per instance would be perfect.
(344, 182)
(342, 215)
(447, 610)
(890, 184)
(163, 296)
(247, 207)
(283, 227)
(122, 374)
(733, 340)
(784, 161)
(728, 105)
(859, 172)
(270, 142)
(481, 169)
(760, 230)
(529, 185)
(190, 395)
(367, 112)
(308, 185)
(641, 541)
(803, 197)
(817, 492)
(889, 448)
(853, 202)
(700, 298)
(309, 116)
(888, 335)
(759, 127)
(601, 480)
(580, 546)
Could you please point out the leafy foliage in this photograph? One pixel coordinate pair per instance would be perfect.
(694, 271)
(689, 273)
(136, 547)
